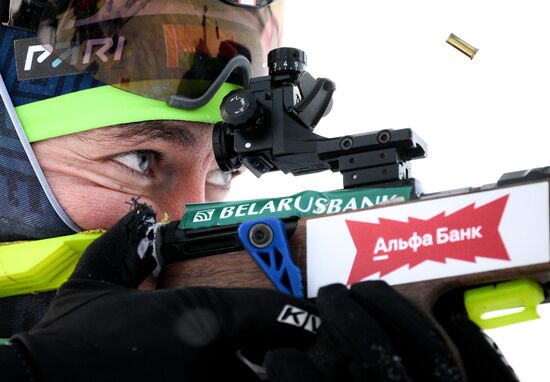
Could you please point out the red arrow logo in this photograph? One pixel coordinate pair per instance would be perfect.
(463, 235)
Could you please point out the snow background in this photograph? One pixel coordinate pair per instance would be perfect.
(481, 117)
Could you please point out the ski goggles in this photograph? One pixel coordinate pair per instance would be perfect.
(179, 51)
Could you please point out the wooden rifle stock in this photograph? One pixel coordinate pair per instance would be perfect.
(525, 203)
(238, 269)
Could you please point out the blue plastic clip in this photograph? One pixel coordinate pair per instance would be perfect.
(267, 243)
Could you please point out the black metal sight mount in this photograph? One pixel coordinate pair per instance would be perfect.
(269, 127)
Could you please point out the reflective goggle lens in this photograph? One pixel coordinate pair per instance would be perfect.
(160, 48)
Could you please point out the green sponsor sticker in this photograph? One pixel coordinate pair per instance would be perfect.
(306, 203)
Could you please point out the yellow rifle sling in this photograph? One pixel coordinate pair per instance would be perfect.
(41, 265)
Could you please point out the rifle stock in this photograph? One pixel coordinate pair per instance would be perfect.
(238, 269)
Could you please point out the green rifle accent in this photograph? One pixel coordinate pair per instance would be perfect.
(5, 342)
(524, 293)
(303, 204)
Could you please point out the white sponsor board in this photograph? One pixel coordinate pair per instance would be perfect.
(424, 240)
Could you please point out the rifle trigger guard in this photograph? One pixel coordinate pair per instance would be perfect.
(267, 243)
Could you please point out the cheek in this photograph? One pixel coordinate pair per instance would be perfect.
(94, 207)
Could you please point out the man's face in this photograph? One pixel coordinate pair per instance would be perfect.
(167, 164)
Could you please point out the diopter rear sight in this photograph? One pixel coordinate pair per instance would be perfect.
(269, 127)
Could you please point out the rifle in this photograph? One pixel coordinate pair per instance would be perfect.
(494, 237)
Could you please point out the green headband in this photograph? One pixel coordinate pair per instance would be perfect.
(106, 106)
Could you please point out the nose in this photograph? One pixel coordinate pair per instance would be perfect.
(187, 183)
(189, 188)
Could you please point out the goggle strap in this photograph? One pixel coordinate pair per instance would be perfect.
(106, 106)
(185, 103)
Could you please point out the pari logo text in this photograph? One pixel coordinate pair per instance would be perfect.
(463, 235)
(35, 60)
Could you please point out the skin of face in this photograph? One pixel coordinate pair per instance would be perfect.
(166, 164)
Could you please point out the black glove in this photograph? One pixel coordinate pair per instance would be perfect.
(98, 328)
(372, 333)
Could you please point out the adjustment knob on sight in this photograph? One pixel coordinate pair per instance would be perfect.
(240, 108)
(286, 61)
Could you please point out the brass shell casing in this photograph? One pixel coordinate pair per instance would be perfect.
(462, 46)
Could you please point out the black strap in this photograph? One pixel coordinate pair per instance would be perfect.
(4, 11)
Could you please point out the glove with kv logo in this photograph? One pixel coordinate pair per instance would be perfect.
(371, 333)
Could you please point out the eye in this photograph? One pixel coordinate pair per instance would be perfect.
(219, 178)
(139, 160)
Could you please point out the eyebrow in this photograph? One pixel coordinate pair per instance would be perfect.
(169, 131)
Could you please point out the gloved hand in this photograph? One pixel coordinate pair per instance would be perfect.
(99, 328)
(372, 333)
